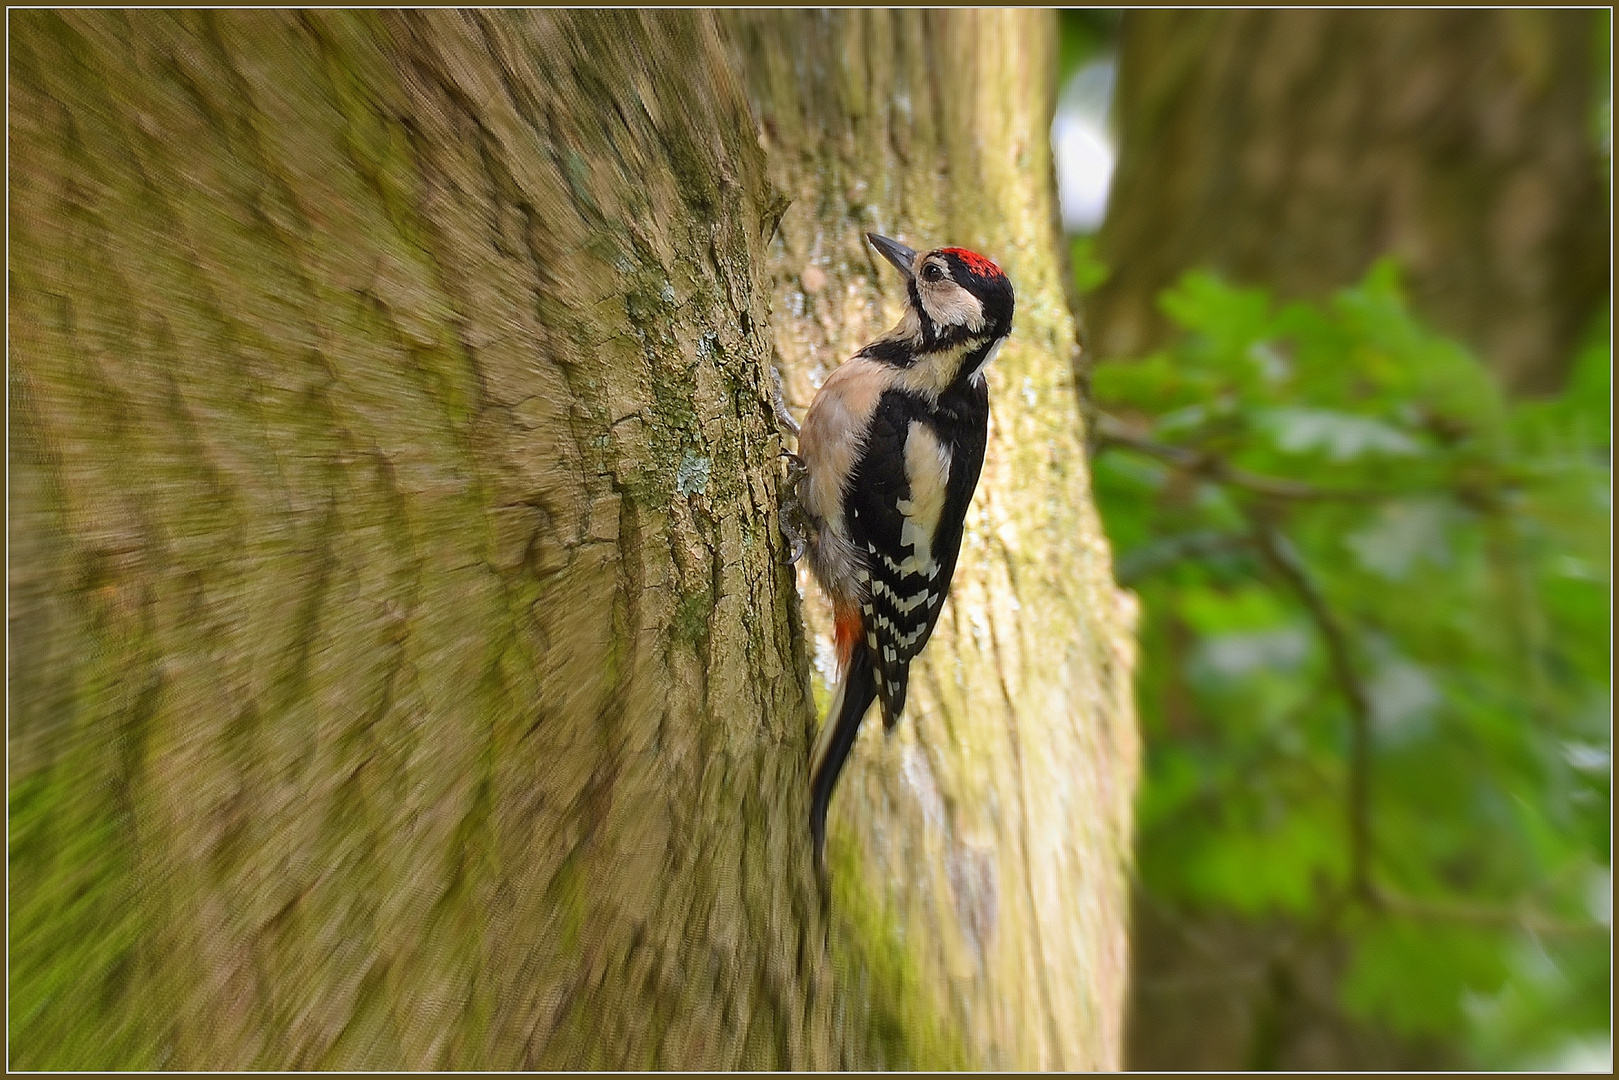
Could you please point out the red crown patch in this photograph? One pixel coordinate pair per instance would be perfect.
(976, 263)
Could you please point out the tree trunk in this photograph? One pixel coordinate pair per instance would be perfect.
(1220, 992)
(993, 829)
(404, 668)
(1293, 148)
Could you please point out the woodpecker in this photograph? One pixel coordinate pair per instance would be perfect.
(888, 459)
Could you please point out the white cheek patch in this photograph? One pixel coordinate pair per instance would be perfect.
(948, 304)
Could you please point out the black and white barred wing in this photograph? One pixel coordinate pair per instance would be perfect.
(898, 511)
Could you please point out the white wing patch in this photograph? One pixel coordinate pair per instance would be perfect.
(927, 469)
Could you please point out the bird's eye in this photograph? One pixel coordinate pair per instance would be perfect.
(931, 272)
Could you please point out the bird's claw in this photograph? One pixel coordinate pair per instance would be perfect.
(792, 522)
(791, 519)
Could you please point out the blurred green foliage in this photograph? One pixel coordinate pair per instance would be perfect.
(1374, 681)
(1083, 35)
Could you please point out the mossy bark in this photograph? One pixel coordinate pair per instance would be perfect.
(993, 826)
(404, 668)
(1291, 149)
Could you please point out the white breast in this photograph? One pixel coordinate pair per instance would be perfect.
(844, 405)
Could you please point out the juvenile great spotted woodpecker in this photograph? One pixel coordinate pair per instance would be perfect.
(890, 453)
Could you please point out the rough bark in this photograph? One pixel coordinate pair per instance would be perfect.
(404, 672)
(1293, 148)
(993, 828)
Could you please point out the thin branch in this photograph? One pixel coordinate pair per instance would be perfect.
(1150, 558)
(1109, 432)
(1169, 984)
(1175, 920)
(1452, 911)
(1286, 562)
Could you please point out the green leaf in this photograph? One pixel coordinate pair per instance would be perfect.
(1417, 977)
(1469, 574)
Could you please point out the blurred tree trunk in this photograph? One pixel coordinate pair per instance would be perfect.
(404, 672)
(1290, 149)
(1293, 148)
(1215, 992)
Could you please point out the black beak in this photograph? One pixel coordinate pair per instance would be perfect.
(895, 252)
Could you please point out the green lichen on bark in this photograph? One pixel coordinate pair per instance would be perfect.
(405, 673)
(346, 414)
(904, 1026)
(992, 831)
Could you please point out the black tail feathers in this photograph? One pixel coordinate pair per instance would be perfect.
(854, 696)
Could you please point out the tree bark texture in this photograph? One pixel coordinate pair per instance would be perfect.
(994, 826)
(404, 670)
(1293, 148)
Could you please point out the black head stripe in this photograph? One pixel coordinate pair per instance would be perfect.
(930, 332)
(985, 281)
(898, 353)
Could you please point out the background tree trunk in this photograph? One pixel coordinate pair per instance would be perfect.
(1217, 992)
(404, 672)
(1290, 149)
(1293, 148)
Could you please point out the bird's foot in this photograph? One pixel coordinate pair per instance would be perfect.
(793, 521)
(796, 469)
(792, 528)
